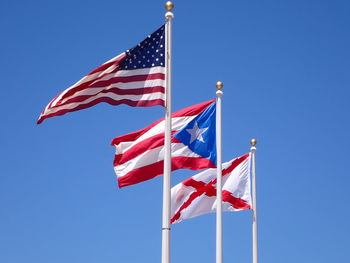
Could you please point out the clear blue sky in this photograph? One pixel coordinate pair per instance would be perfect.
(285, 66)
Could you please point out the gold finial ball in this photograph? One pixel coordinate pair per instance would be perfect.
(253, 142)
(219, 85)
(169, 6)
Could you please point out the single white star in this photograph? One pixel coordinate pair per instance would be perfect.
(196, 133)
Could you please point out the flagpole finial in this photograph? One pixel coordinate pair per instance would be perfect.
(253, 142)
(169, 6)
(219, 85)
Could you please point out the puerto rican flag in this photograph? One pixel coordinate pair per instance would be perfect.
(197, 195)
(140, 155)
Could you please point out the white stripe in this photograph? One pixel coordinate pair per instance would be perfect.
(177, 124)
(121, 73)
(151, 96)
(152, 156)
(140, 84)
(131, 85)
(89, 77)
(142, 71)
(130, 73)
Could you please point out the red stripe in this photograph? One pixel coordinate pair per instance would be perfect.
(85, 85)
(192, 163)
(193, 110)
(49, 106)
(141, 174)
(235, 202)
(127, 79)
(116, 91)
(153, 170)
(142, 147)
(97, 83)
(189, 111)
(140, 103)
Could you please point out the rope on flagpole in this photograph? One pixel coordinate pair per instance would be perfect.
(219, 93)
(167, 138)
(254, 210)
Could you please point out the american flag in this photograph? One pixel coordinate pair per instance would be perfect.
(135, 77)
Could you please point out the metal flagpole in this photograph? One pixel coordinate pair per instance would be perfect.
(219, 93)
(255, 218)
(167, 139)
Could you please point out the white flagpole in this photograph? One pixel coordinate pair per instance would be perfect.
(167, 139)
(219, 94)
(254, 210)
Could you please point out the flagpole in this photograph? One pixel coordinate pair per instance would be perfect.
(219, 93)
(167, 139)
(254, 210)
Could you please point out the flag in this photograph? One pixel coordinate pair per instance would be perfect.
(140, 155)
(135, 77)
(197, 195)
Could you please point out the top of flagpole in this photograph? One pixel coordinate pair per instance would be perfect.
(253, 142)
(169, 6)
(219, 85)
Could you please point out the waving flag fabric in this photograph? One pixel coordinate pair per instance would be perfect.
(135, 77)
(140, 155)
(197, 195)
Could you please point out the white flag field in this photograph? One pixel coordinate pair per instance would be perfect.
(197, 195)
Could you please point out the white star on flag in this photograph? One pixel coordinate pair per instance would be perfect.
(196, 133)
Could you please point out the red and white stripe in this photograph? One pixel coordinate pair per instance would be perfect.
(140, 155)
(197, 195)
(107, 83)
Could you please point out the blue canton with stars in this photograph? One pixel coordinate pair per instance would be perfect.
(200, 134)
(149, 53)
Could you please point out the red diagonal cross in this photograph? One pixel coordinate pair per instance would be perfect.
(209, 189)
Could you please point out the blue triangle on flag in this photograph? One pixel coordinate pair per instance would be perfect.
(200, 134)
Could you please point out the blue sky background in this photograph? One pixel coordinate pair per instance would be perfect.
(285, 66)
